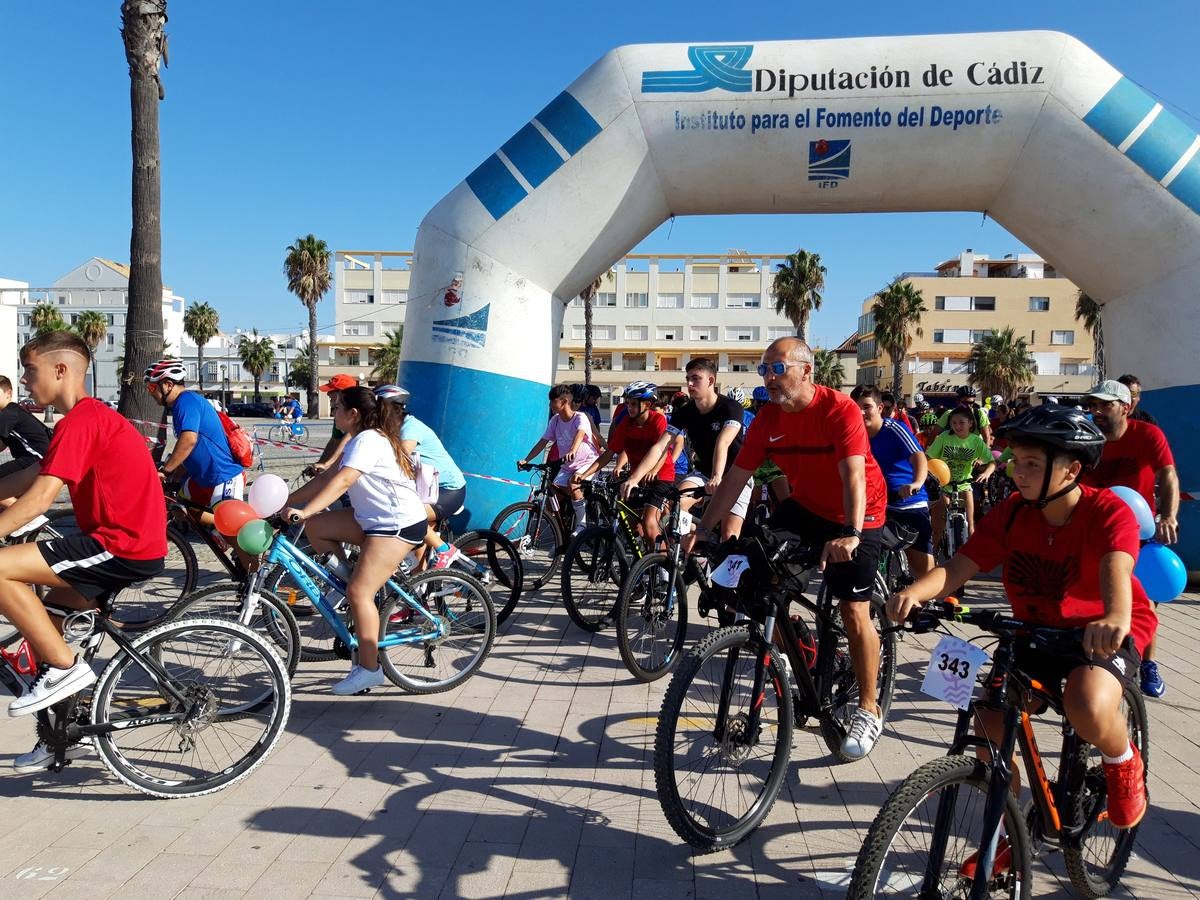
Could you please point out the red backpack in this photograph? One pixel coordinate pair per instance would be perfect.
(239, 442)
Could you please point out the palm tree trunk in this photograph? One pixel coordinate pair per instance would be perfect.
(142, 27)
(200, 367)
(257, 398)
(313, 381)
(802, 327)
(1098, 339)
(897, 367)
(587, 340)
(95, 390)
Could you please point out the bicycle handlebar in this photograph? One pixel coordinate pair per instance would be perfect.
(928, 617)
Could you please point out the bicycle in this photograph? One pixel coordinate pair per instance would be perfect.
(288, 432)
(949, 808)
(724, 732)
(537, 526)
(954, 535)
(182, 709)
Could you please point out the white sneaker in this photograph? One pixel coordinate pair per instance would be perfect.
(51, 686)
(445, 558)
(865, 728)
(41, 757)
(359, 680)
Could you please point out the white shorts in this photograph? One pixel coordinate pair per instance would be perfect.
(740, 506)
(564, 476)
(233, 489)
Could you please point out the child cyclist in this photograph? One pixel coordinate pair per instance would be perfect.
(571, 433)
(386, 518)
(1067, 552)
(960, 448)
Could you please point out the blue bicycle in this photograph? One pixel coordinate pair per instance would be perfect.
(436, 627)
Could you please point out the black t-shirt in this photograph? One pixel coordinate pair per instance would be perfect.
(24, 435)
(1141, 415)
(702, 430)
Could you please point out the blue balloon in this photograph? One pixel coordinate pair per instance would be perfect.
(1141, 510)
(1161, 572)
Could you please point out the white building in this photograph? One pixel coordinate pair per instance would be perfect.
(12, 295)
(224, 374)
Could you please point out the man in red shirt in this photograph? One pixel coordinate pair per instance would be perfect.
(838, 499)
(1136, 455)
(1067, 553)
(107, 469)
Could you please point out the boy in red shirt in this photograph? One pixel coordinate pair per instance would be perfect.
(105, 465)
(1067, 552)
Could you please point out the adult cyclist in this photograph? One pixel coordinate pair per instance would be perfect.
(978, 417)
(27, 439)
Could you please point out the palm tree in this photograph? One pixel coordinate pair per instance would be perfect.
(588, 295)
(1000, 363)
(143, 24)
(387, 357)
(828, 369)
(1090, 313)
(92, 326)
(299, 375)
(257, 355)
(798, 283)
(307, 269)
(46, 318)
(200, 323)
(897, 310)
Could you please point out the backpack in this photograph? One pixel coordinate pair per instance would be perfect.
(239, 442)
(426, 477)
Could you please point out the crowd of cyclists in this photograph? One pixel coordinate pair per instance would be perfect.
(831, 468)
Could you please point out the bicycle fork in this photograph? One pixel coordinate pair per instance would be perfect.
(757, 694)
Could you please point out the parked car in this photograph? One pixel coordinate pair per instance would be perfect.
(28, 404)
(252, 410)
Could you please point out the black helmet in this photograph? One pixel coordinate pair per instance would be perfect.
(1064, 427)
(965, 391)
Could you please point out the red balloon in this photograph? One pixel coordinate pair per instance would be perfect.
(230, 515)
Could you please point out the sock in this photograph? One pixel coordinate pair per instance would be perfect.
(1116, 760)
(443, 548)
(580, 508)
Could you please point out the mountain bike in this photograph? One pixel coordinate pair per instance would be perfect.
(724, 732)
(951, 809)
(537, 526)
(954, 535)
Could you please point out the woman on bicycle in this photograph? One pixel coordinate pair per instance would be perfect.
(386, 518)
(960, 448)
(1067, 553)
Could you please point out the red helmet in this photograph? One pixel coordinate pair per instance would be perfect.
(168, 369)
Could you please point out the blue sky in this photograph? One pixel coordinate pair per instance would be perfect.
(351, 120)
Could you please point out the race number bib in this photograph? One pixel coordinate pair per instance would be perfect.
(952, 671)
(685, 523)
(730, 572)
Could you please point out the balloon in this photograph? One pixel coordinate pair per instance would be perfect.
(996, 454)
(1010, 468)
(230, 515)
(1161, 572)
(939, 470)
(268, 494)
(255, 536)
(1141, 510)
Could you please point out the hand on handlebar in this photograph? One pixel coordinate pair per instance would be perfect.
(522, 465)
(1103, 638)
(292, 515)
(900, 605)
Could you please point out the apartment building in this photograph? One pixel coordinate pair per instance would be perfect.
(225, 377)
(971, 296)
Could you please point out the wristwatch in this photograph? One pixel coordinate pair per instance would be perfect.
(851, 531)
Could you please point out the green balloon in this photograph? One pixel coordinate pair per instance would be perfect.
(255, 536)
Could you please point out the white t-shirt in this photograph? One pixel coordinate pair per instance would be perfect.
(383, 498)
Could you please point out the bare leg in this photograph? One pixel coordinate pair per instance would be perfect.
(864, 651)
(379, 558)
(23, 565)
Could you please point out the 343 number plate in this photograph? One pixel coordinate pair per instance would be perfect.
(953, 667)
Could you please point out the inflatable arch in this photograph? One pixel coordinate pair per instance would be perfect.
(1031, 128)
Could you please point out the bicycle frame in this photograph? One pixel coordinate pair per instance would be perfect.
(225, 556)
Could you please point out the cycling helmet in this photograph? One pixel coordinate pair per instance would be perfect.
(1061, 428)
(392, 393)
(965, 391)
(592, 391)
(737, 395)
(929, 419)
(760, 394)
(997, 400)
(918, 399)
(168, 369)
(641, 390)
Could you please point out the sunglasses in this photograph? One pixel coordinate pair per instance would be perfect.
(776, 368)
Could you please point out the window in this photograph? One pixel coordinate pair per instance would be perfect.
(743, 301)
(634, 362)
(637, 332)
(359, 329)
(112, 320)
(961, 304)
(1062, 337)
(637, 301)
(24, 318)
(704, 332)
(395, 296)
(602, 362)
(743, 365)
(984, 303)
(960, 335)
(62, 299)
(780, 331)
(191, 370)
(1039, 304)
(674, 333)
(980, 334)
(112, 341)
(741, 333)
(605, 300)
(604, 332)
(359, 297)
(578, 332)
(1033, 336)
(704, 301)
(670, 301)
(392, 326)
(210, 370)
(937, 367)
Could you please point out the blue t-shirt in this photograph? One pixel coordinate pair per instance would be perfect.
(292, 408)
(593, 412)
(892, 448)
(450, 476)
(683, 465)
(747, 418)
(210, 463)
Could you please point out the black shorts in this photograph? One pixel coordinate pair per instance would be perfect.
(449, 501)
(81, 562)
(410, 534)
(1051, 669)
(917, 520)
(851, 580)
(17, 464)
(656, 494)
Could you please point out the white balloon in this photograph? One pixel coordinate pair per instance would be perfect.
(268, 494)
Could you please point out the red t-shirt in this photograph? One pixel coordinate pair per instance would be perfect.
(1133, 460)
(1052, 575)
(115, 491)
(808, 445)
(636, 441)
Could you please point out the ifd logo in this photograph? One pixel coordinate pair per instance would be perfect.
(828, 162)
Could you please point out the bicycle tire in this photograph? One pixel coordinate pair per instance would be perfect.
(837, 687)
(703, 830)
(202, 773)
(593, 570)
(642, 618)
(1081, 856)
(468, 611)
(879, 858)
(300, 437)
(539, 541)
(958, 531)
(498, 556)
(273, 619)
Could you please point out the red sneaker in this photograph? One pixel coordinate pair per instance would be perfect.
(1002, 864)
(1126, 791)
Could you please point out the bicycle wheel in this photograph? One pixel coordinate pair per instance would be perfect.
(538, 538)
(493, 560)
(715, 787)
(942, 799)
(651, 618)
(437, 663)
(594, 568)
(958, 533)
(316, 634)
(299, 435)
(1096, 860)
(271, 617)
(222, 733)
(837, 686)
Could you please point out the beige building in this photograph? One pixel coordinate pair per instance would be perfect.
(971, 296)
